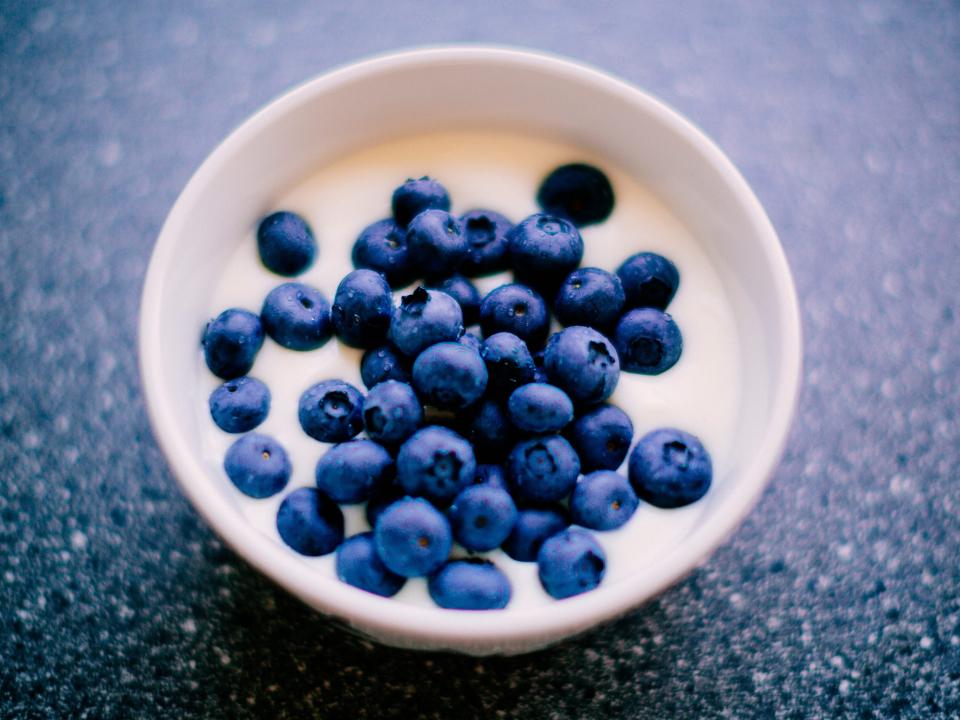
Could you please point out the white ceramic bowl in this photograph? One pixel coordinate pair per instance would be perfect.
(438, 89)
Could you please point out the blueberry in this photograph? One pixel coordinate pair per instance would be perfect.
(297, 316)
(490, 474)
(412, 537)
(382, 246)
(670, 468)
(391, 412)
(424, 318)
(542, 470)
(582, 362)
(533, 526)
(437, 463)
(240, 405)
(383, 497)
(349, 472)
(540, 408)
(415, 196)
(482, 516)
(449, 376)
(362, 309)
(591, 297)
(384, 363)
(516, 309)
(470, 584)
(471, 340)
(436, 244)
(258, 465)
(310, 522)
(544, 249)
(649, 280)
(465, 293)
(331, 411)
(486, 233)
(570, 563)
(602, 500)
(648, 341)
(509, 363)
(601, 438)
(489, 429)
(286, 243)
(231, 342)
(359, 565)
(579, 192)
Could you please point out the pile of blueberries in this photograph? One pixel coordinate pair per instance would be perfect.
(502, 439)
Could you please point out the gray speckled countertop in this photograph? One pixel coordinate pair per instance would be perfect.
(837, 598)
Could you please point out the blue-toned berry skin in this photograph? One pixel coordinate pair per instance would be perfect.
(472, 341)
(470, 584)
(415, 196)
(436, 244)
(591, 297)
(362, 308)
(482, 516)
(413, 538)
(509, 363)
(648, 341)
(486, 234)
(331, 411)
(383, 497)
(436, 463)
(540, 408)
(349, 472)
(583, 363)
(542, 470)
(358, 564)
(601, 438)
(231, 342)
(450, 376)
(286, 243)
(424, 318)
(310, 522)
(391, 412)
(544, 249)
(258, 465)
(464, 292)
(240, 405)
(649, 280)
(297, 316)
(533, 526)
(490, 474)
(577, 191)
(515, 309)
(382, 247)
(602, 500)
(490, 430)
(384, 363)
(670, 468)
(570, 563)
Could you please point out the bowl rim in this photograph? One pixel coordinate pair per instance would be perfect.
(431, 626)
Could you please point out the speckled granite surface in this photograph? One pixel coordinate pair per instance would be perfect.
(837, 598)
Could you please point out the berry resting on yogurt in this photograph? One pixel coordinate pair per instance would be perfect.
(470, 584)
(461, 430)
(286, 243)
(231, 342)
(579, 192)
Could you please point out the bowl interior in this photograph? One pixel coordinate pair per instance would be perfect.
(443, 89)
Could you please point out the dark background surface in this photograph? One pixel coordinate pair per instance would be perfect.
(837, 598)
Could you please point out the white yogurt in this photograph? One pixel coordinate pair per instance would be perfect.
(500, 172)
